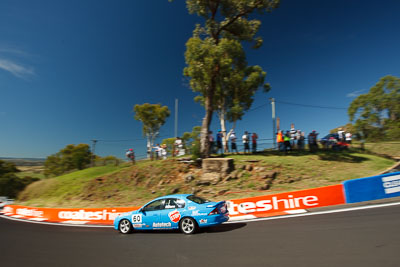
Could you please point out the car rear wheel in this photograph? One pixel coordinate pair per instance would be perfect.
(188, 226)
(125, 226)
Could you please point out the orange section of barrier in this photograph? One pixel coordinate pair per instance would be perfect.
(263, 205)
(89, 216)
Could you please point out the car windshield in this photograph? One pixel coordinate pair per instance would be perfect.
(197, 199)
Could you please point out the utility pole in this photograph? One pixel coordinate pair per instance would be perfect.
(94, 141)
(273, 121)
(176, 117)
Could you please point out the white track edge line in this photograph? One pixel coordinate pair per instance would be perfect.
(56, 224)
(319, 212)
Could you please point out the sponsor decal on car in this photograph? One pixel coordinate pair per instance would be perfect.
(138, 225)
(203, 221)
(198, 213)
(174, 216)
(161, 225)
(192, 208)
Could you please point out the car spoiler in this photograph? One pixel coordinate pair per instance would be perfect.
(216, 204)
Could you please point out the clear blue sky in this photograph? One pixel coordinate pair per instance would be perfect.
(71, 71)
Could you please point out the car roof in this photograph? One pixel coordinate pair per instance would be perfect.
(174, 196)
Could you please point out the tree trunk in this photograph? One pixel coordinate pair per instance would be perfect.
(209, 106)
(149, 145)
(151, 137)
(221, 116)
(204, 142)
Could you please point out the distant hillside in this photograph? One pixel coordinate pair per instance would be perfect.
(25, 161)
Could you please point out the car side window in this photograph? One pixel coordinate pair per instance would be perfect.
(180, 203)
(155, 205)
(174, 203)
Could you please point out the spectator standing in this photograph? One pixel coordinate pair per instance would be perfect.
(246, 140)
(300, 139)
(280, 141)
(348, 137)
(211, 141)
(219, 142)
(312, 141)
(287, 141)
(130, 155)
(179, 147)
(341, 136)
(233, 138)
(157, 151)
(163, 151)
(254, 138)
(293, 134)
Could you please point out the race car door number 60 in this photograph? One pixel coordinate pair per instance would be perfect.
(137, 218)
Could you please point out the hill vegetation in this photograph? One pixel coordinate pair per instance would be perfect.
(260, 174)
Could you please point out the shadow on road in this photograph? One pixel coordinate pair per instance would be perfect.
(213, 229)
(223, 228)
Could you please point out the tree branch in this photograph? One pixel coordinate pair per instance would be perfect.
(241, 14)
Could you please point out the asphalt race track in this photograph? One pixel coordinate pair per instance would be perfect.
(368, 237)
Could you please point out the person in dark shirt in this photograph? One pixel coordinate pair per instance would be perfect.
(254, 138)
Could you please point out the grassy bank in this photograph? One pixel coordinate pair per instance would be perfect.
(390, 149)
(63, 190)
(133, 185)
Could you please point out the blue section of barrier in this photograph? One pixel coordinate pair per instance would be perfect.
(371, 188)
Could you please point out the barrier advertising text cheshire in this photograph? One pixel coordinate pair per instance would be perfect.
(371, 188)
(285, 203)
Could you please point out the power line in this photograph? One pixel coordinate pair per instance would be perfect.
(309, 106)
(121, 140)
(263, 105)
(124, 140)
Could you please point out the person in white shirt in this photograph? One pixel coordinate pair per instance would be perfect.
(348, 137)
(233, 138)
(341, 134)
(246, 140)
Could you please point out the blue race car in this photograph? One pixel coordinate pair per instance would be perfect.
(185, 212)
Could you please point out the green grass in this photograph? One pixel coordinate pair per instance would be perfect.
(391, 149)
(62, 189)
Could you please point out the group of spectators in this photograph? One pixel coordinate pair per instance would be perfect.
(160, 151)
(295, 139)
(216, 145)
(287, 141)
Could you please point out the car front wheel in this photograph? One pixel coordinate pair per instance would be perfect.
(125, 226)
(188, 226)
